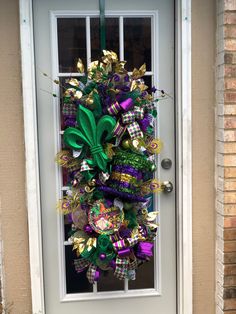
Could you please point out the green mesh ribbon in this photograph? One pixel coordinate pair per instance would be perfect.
(104, 246)
(89, 134)
(139, 162)
(131, 217)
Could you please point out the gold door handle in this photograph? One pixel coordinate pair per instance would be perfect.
(167, 187)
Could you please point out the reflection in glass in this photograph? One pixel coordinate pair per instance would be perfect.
(137, 42)
(107, 282)
(75, 282)
(148, 82)
(71, 43)
(144, 276)
(112, 36)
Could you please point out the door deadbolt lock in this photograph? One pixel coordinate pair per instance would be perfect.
(166, 163)
(167, 187)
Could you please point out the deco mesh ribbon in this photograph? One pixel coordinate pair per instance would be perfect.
(108, 163)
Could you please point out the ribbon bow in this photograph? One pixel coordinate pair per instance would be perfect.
(133, 129)
(132, 115)
(89, 134)
(124, 105)
(144, 250)
(123, 245)
(84, 246)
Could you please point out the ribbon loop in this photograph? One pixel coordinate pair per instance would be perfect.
(92, 274)
(121, 270)
(81, 264)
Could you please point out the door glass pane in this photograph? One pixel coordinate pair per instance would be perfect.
(112, 36)
(108, 282)
(144, 276)
(75, 282)
(137, 42)
(71, 46)
(148, 81)
(71, 43)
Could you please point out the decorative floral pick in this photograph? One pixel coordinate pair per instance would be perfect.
(89, 134)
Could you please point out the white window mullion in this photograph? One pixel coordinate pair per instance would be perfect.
(88, 40)
(95, 288)
(121, 37)
(67, 74)
(147, 73)
(126, 285)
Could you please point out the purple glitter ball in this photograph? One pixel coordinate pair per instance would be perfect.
(97, 275)
(88, 229)
(102, 256)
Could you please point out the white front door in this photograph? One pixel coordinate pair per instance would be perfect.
(139, 31)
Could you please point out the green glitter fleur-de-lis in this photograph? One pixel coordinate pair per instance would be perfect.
(89, 134)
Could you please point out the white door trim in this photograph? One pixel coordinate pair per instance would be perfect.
(184, 160)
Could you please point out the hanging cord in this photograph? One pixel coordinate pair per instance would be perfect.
(102, 24)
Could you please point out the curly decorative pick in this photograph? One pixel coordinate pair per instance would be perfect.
(88, 134)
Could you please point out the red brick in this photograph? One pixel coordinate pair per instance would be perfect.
(230, 109)
(230, 147)
(230, 269)
(230, 31)
(229, 304)
(230, 160)
(229, 246)
(230, 70)
(230, 172)
(229, 209)
(229, 18)
(228, 135)
(230, 5)
(230, 280)
(230, 122)
(230, 222)
(230, 44)
(230, 258)
(230, 97)
(230, 83)
(230, 234)
(229, 185)
(229, 293)
(229, 58)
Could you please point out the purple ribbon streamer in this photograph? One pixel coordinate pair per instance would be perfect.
(124, 195)
(144, 250)
(124, 253)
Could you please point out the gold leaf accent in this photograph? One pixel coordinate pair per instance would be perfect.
(80, 66)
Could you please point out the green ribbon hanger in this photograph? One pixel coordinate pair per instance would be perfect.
(89, 134)
(102, 25)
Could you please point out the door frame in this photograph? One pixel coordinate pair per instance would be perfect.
(183, 155)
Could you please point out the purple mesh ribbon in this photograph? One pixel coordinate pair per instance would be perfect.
(125, 233)
(118, 184)
(70, 121)
(128, 170)
(124, 253)
(130, 197)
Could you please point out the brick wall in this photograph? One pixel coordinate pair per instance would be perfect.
(226, 157)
